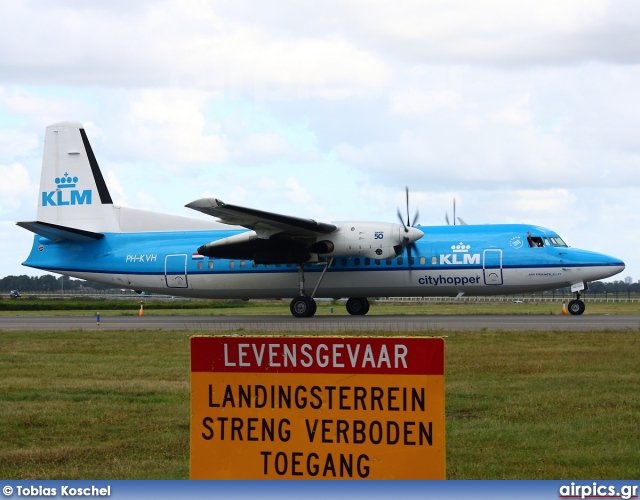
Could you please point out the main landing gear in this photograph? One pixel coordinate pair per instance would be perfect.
(304, 306)
(576, 306)
(358, 306)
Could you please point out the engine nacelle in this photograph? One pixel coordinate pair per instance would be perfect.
(376, 240)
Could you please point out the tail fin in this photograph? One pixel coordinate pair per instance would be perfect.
(73, 193)
(74, 202)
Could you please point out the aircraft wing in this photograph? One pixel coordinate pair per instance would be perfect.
(259, 221)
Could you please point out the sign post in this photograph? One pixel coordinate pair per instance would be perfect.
(317, 408)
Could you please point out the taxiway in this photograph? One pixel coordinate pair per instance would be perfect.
(322, 323)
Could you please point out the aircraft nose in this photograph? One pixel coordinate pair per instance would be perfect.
(614, 262)
(608, 266)
(619, 265)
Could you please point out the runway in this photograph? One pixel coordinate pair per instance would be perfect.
(290, 324)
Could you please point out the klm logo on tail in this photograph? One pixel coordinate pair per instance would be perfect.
(66, 194)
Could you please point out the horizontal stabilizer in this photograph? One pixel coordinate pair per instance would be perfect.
(58, 233)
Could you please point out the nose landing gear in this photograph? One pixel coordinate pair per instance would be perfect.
(576, 306)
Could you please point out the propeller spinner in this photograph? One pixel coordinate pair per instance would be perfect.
(411, 234)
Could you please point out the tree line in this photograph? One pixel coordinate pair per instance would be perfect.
(48, 283)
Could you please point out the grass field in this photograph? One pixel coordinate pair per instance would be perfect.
(520, 405)
(182, 307)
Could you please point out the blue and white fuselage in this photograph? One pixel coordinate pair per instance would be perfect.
(449, 260)
(255, 254)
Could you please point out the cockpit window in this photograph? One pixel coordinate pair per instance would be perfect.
(534, 241)
(556, 241)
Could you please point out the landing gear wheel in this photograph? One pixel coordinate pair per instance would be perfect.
(576, 307)
(303, 307)
(358, 306)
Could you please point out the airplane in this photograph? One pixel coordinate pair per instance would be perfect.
(253, 254)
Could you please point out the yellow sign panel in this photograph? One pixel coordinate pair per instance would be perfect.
(317, 408)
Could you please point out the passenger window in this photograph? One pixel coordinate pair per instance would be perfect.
(200, 265)
(243, 264)
(423, 261)
(367, 261)
(343, 261)
(356, 261)
(400, 261)
(434, 260)
(210, 264)
(232, 264)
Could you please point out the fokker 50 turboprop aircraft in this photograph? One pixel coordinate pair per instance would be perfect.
(249, 253)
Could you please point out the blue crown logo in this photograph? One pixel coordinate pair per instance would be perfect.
(66, 181)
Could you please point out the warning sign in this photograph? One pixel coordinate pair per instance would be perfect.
(317, 408)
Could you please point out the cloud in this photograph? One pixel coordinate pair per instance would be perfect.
(15, 186)
(262, 147)
(535, 203)
(493, 32)
(295, 192)
(419, 101)
(170, 126)
(180, 46)
(116, 189)
(17, 144)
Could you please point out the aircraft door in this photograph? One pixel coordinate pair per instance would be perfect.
(492, 266)
(175, 270)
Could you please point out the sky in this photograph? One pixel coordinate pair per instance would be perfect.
(523, 112)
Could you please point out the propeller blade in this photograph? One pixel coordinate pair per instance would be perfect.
(401, 219)
(454, 211)
(407, 193)
(411, 249)
(446, 217)
(407, 242)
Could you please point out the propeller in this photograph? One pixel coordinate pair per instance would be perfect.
(446, 216)
(409, 239)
